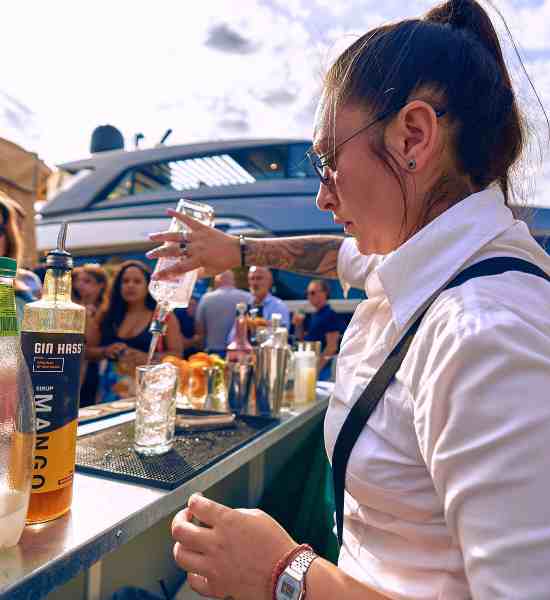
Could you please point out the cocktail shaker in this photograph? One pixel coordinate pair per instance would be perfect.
(270, 374)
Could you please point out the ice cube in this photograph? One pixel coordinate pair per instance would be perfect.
(159, 377)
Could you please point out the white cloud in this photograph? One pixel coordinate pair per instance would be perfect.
(529, 22)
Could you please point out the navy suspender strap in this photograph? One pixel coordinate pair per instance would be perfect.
(367, 402)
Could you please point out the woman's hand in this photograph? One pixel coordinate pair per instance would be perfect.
(204, 247)
(133, 358)
(233, 554)
(115, 350)
(91, 311)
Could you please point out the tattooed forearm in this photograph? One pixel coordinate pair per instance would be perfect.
(309, 255)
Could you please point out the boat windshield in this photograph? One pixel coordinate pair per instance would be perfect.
(232, 168)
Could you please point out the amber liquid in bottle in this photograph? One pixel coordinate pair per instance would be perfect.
(52, 337)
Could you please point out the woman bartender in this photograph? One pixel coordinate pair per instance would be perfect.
(446, 486)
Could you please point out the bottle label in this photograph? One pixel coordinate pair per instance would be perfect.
(54, 361)
(8, 313)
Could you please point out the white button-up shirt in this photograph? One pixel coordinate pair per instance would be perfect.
(448, 486)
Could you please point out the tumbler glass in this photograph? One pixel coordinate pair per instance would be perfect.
(156, 388)
(197, 385)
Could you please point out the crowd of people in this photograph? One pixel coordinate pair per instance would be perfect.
(120, 310)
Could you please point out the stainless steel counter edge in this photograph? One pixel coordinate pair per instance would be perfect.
(49, 555)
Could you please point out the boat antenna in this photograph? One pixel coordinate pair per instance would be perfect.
(165, 136)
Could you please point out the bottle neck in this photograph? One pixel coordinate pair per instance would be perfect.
(241, 332)
(57, 285)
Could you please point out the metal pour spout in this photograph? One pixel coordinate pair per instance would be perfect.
(158, 323)
(62, 236)
(60, 258)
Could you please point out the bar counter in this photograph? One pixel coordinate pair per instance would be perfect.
(107, 514)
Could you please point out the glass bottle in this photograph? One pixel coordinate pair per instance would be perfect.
(275, 323)
(305, 376)
(253, 324)
(239, 364)
(175, 292)
(17, 423)
(52, 339)
(240, 349)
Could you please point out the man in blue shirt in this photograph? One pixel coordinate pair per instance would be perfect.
(216, 312)
(323, 325)
(260, 281)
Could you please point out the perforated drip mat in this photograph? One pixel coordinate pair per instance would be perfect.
(110, 452)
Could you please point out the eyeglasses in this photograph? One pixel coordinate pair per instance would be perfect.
(311, 292)
(320, 162)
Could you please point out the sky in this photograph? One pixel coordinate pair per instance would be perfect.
(208, 70)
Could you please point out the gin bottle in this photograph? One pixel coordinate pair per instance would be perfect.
(240, 349)
(52, 339)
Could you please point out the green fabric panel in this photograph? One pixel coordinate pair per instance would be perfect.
(301, 497)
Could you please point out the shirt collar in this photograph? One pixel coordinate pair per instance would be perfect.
(325, 308)
(264, 302)
(410, 275)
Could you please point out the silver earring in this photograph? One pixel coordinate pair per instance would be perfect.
(411, 164)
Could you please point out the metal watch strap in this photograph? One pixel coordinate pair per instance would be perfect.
(291, 585)
(302, 562)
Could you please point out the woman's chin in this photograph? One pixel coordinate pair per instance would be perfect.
(368, 247)
(363, 245)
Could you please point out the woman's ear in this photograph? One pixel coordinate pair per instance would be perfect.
(412, 135)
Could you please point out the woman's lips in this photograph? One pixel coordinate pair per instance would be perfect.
(346, 224)
(343, 222)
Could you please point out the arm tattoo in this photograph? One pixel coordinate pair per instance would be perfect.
(308, 255)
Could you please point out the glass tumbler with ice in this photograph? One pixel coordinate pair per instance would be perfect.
(154, 427)
(176, 292)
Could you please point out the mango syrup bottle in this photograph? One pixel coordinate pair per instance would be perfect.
(52, 340)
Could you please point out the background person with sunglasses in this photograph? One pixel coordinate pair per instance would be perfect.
(323, 325)
(445, 488)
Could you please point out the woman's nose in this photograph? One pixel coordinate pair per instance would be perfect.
(326, 199)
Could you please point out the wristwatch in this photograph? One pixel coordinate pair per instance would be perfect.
(291, 585)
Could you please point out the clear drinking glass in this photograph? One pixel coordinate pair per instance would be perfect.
(156, 388)
(176, 292)
(305, 376)
(197, 386)
(215, 394)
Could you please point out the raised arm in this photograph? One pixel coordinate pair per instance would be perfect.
(216, 251)
(315, 255)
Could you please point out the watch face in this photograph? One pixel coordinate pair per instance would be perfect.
(288, 588)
